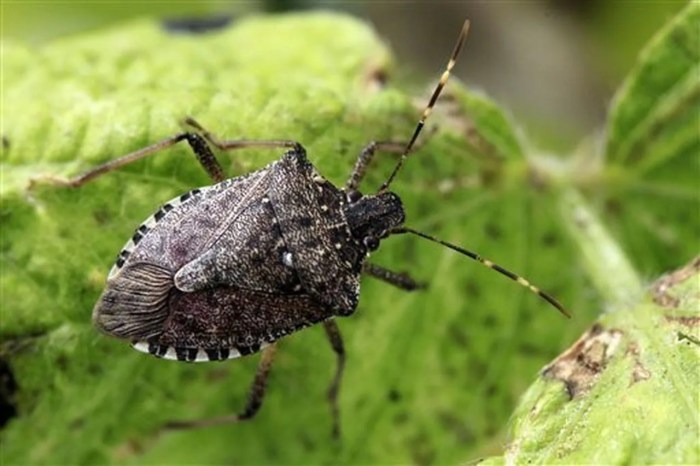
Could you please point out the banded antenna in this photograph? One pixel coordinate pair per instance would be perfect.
(429, 108)
(404, 155)
(472, 255)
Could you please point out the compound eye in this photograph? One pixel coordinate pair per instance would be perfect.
(354, 196)
(371, 243)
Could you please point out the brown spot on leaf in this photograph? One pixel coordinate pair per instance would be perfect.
(688, 321)
(459, 120)
(128, 449)
(462, 431)
(639, 372)
(579, 366)
(613, 207)
(376, 77)
(660, 289)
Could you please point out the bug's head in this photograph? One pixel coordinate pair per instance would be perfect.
(374, 217)
(371, 218)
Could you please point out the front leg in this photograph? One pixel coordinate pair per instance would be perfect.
(366, 156)
(399, 280)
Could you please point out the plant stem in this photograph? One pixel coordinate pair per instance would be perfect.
(606, 263)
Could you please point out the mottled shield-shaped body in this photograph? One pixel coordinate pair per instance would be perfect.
(227, 269)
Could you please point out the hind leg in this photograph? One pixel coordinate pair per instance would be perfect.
(255, 398)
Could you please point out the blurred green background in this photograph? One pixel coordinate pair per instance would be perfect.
(515, 49)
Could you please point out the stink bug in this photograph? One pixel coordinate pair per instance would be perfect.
(226, 270)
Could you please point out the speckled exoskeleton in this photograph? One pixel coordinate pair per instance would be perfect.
(226, 270)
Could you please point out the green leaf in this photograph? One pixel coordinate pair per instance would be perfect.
(626, 392)
(487, 127)
(649, 191)
(655, 101)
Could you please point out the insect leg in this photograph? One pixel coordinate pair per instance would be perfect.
(239, 143)
(336, 340)
(198, 145)
(363, 161)
(255, 398)
(399, 280)
(197, 141)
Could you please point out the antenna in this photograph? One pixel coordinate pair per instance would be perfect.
(516, 278)
(429, 108)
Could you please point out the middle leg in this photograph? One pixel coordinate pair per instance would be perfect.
(336, 340)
